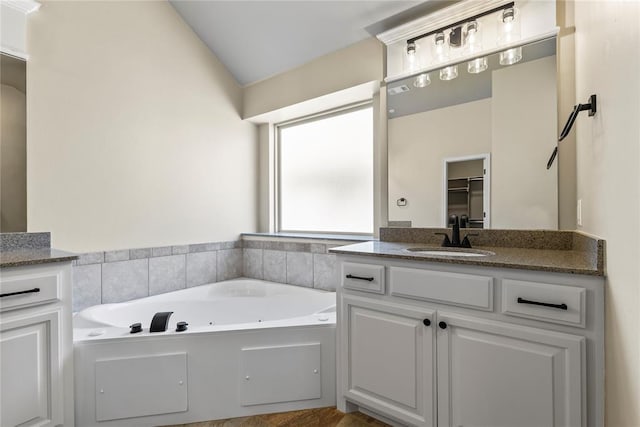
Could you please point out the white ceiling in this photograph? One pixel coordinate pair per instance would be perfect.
(258, 39)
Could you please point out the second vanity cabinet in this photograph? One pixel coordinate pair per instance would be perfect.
(428, 344)
(36, 366)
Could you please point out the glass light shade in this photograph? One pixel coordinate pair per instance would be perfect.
(422, 80)
(449, 73)
(440, 49)
(411, 57)
(473, 39)
(477, 65)
(474, 46)
(511, 56)
(508, 26)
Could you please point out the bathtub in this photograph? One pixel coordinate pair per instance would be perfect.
(251, 347)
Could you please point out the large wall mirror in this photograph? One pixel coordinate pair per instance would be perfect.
(13, 145)
(476, 145)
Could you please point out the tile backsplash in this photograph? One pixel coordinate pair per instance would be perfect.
(123, 275)
(294, 263)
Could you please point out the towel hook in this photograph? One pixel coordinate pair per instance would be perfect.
(591, 106)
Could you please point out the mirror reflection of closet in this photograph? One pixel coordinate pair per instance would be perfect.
(13, 145)
(466, 192)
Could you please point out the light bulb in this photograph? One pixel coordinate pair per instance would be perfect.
(508, 26)
(509, 32)
(411, 60)
(474, 46)
(440, 48)
(422, 80)
(449, 73)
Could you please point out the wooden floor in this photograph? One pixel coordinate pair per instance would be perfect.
(323, 417)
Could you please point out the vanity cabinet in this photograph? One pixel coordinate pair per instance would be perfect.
(389, 358)
(443, 345)
(496, 374)
(36, 346)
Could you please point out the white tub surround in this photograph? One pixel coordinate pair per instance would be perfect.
(510, 341)
(251, 347)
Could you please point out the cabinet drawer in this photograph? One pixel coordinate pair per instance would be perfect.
(20, 291)
(543, 301)
(363, 277)
(449, 288)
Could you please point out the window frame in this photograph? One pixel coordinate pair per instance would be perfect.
(278, 162)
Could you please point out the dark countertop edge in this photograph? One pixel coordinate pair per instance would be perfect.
(19, 258)
(315, 236)
(473, 262)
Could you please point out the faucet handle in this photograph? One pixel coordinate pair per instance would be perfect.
(445, 242)
(465, 242)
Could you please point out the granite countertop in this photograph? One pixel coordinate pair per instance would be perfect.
(570, 261)
(20, 257)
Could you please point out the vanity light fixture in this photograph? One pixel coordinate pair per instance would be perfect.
(422, 80)
(440, 48)
(474, 45)
(508, 32)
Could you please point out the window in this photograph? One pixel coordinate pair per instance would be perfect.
(325, 173)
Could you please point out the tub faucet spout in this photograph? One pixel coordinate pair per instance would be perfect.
(160, 321)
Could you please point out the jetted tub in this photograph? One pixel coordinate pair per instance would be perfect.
(251, 347)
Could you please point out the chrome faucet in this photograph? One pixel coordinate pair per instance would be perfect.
(455, 242)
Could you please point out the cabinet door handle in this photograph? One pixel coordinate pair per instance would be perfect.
(30, 291)
(544, 304)
(426, 322)
(443, 325)
(368, 279)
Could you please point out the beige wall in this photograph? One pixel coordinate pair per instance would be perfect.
(13, 160)
(608, 157)
(418, 143)
(524, 194)
(357, 64)
(134, 131)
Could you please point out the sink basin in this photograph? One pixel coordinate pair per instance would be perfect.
(450, 252)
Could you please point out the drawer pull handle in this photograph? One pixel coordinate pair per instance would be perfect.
(544, 304)
(442, 325)
(30, 291)
(368, 279)
(426, 322)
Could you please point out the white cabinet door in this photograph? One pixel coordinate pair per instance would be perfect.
(30, 371)
(389, 360)
(495, 374)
